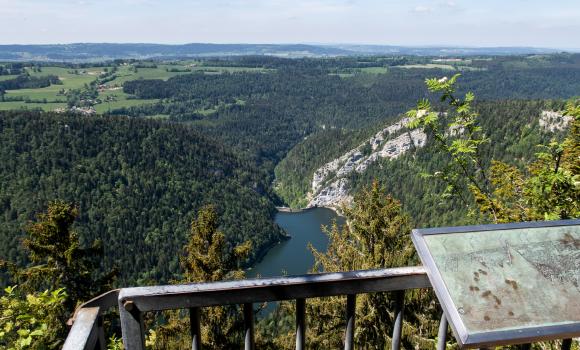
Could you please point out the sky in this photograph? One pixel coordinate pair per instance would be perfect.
(483, 23)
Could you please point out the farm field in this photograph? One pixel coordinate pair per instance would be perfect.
(7, 77)
(5, 106)
(70, 78)
(110, 95)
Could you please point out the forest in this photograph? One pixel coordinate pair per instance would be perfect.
(136, 183)
(170, 160)
(263, 123)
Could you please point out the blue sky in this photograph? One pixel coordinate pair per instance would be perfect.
(554, 23)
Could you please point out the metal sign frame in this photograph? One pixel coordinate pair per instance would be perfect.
(487, 338)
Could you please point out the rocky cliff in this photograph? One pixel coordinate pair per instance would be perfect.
(330, 186)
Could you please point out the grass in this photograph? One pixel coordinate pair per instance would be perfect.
(125, 73)
(429, 66)
(7, 77)
(374, 70)
(440, 66)
(106, 106)
(51, 93)
(5, 106)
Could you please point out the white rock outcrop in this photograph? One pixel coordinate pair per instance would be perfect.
(554, 121)
(330, 187)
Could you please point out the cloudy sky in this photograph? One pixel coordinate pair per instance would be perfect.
(540, 23)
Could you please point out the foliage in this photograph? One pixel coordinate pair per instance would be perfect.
(58, 259)
(31, 321)
(457, 134)
(135, 182)
(207, 260)
(502, 192)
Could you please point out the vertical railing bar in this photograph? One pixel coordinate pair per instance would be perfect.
(101, 342)
(566, 344)
(350, 320)
(442, 334)
(300, 324)
(249, 326)
(195, 328)
(398, 324)
(132, 326)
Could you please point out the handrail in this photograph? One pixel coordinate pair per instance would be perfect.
(87, 323)
(133, 302)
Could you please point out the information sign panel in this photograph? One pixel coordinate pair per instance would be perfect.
(506, 284)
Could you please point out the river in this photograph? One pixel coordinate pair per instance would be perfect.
(292, 257)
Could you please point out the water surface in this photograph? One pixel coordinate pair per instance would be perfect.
(292, 257)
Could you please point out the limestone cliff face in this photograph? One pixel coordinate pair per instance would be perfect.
(330, 186)
(554, 121)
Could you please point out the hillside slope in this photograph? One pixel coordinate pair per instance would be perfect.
(398, 157)
(137, 184)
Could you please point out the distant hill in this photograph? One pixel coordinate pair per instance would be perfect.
(104, 51)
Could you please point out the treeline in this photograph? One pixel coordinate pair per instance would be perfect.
(25, 81)
(136, 183)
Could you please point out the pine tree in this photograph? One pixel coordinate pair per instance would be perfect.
(377, 236)
(207, 259)
(59, 261)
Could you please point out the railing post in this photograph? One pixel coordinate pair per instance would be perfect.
(101, 341)
(195, 328)
(350, 318)
(300, 324)
(398, 325)
(131, 326)
(249, 326)
(442, 334)
(566, 344)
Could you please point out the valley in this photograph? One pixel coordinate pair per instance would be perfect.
(141, 145)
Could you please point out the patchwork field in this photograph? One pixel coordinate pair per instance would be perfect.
(110, 95)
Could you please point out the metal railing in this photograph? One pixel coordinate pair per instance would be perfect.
(87, 331)
(87, 326)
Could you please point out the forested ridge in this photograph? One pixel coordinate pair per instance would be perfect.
(514, 133)
(263, 129)
(136, 183)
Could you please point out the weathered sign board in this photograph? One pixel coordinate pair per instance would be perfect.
(505, 284)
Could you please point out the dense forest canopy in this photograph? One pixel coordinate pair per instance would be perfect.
(136, 182)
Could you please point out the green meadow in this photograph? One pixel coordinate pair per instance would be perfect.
(112, 95)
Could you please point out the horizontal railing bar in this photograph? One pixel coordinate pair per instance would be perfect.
(168, 297)
(104, 301)
(84, 332)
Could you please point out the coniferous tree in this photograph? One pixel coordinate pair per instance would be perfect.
(207, 259)
(377, 236)
(59, 261)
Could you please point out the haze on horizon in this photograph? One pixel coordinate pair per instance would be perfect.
(536, 23)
